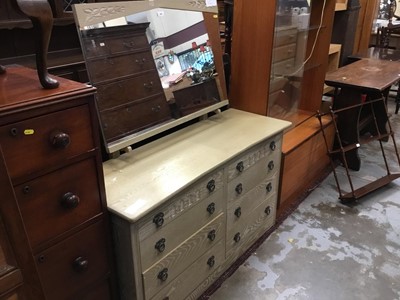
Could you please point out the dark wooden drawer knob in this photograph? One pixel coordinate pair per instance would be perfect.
(160, 245)
(240, 166)
(211, 185)
(81, 264)
(149, 85)
(211, 208)
(14, 131)
(211, 261)
(69, 200)
(239, 188)
(267, 210)
(129, 44)
(140, 61)
(212, 235)
(269, 187)
(159, 219)
(271, 165)
(60, 140)
(238, 212)
(26, 189)
(272, 146)
(236, 238)
(163, 275)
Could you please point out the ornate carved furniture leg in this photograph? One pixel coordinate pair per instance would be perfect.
(39, 11)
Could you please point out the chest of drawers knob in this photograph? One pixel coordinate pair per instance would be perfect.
(272, 145)
(240, 166)
(239, 188)
(268, 210)
(269, 187)
(238, 212)
(236, 238)
(211, 235)
(26, 189)
(14, 131)
(159, 219)
(271, 165)
(80, 264)
(140, 61)
(129, 44)
(163, 274)
(211, 185)
(211, 208)
(69, 200)
(160, 245)
(149, 85)
(60, 140)
(211, 261)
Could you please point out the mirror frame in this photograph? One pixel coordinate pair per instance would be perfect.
(87, 14)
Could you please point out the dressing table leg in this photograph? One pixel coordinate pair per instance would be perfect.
(39, 11)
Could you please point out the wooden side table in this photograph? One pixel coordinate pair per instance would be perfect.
(360, 115)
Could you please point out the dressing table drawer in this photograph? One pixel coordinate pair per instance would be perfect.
(206, 195)
(101, 46)
(130, 90)
(45, 141)
(247, 230)
(184, 255)
(119, 66)
(132, 117)
(73, 264)
(166, 237)
(65, 198)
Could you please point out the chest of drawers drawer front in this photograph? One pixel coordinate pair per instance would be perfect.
(284, 52)
(98, 46)
(209, 187)
(119, 66)
(183, 256)
(133, 117)
(128, 90)
(247, 230)
(245, 205)
(284, 67)
(202, 269)
(267, 167)
(171, 235)
(45, 141)
(284, 37)
(65, 199)
(270, 148)
(74, 264)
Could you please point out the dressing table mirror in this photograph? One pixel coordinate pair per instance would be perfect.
(156, 65)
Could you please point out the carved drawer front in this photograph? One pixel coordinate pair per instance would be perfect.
(182, 256)
(284, 36)
(167, 238)
(208, 189)
(284, 67)
(102, 46)
(46, 141)
(246, 230)
(65, 199)
(119, 66)
(132, 117)
(245, 205)
(270, 149)
(72, 265)
(202, 271)
(284, 52)
(129, 90)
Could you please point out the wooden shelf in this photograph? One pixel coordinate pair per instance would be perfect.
(341, 5)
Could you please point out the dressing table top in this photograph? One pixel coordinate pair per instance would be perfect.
(139, 181)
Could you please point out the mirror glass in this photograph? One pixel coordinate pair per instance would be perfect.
(155, 64)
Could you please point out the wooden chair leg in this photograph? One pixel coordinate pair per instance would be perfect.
(39, 11)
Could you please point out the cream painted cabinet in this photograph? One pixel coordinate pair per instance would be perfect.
(186, 206)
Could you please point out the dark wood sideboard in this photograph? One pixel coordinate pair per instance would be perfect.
(54, 229)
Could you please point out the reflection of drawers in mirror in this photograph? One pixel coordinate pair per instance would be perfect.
(120, 64)
(212, 197)
(284, 52)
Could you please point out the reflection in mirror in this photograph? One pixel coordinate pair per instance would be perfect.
(154, 68)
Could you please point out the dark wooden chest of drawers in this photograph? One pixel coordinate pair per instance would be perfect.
(49, 143)
(120, 64)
